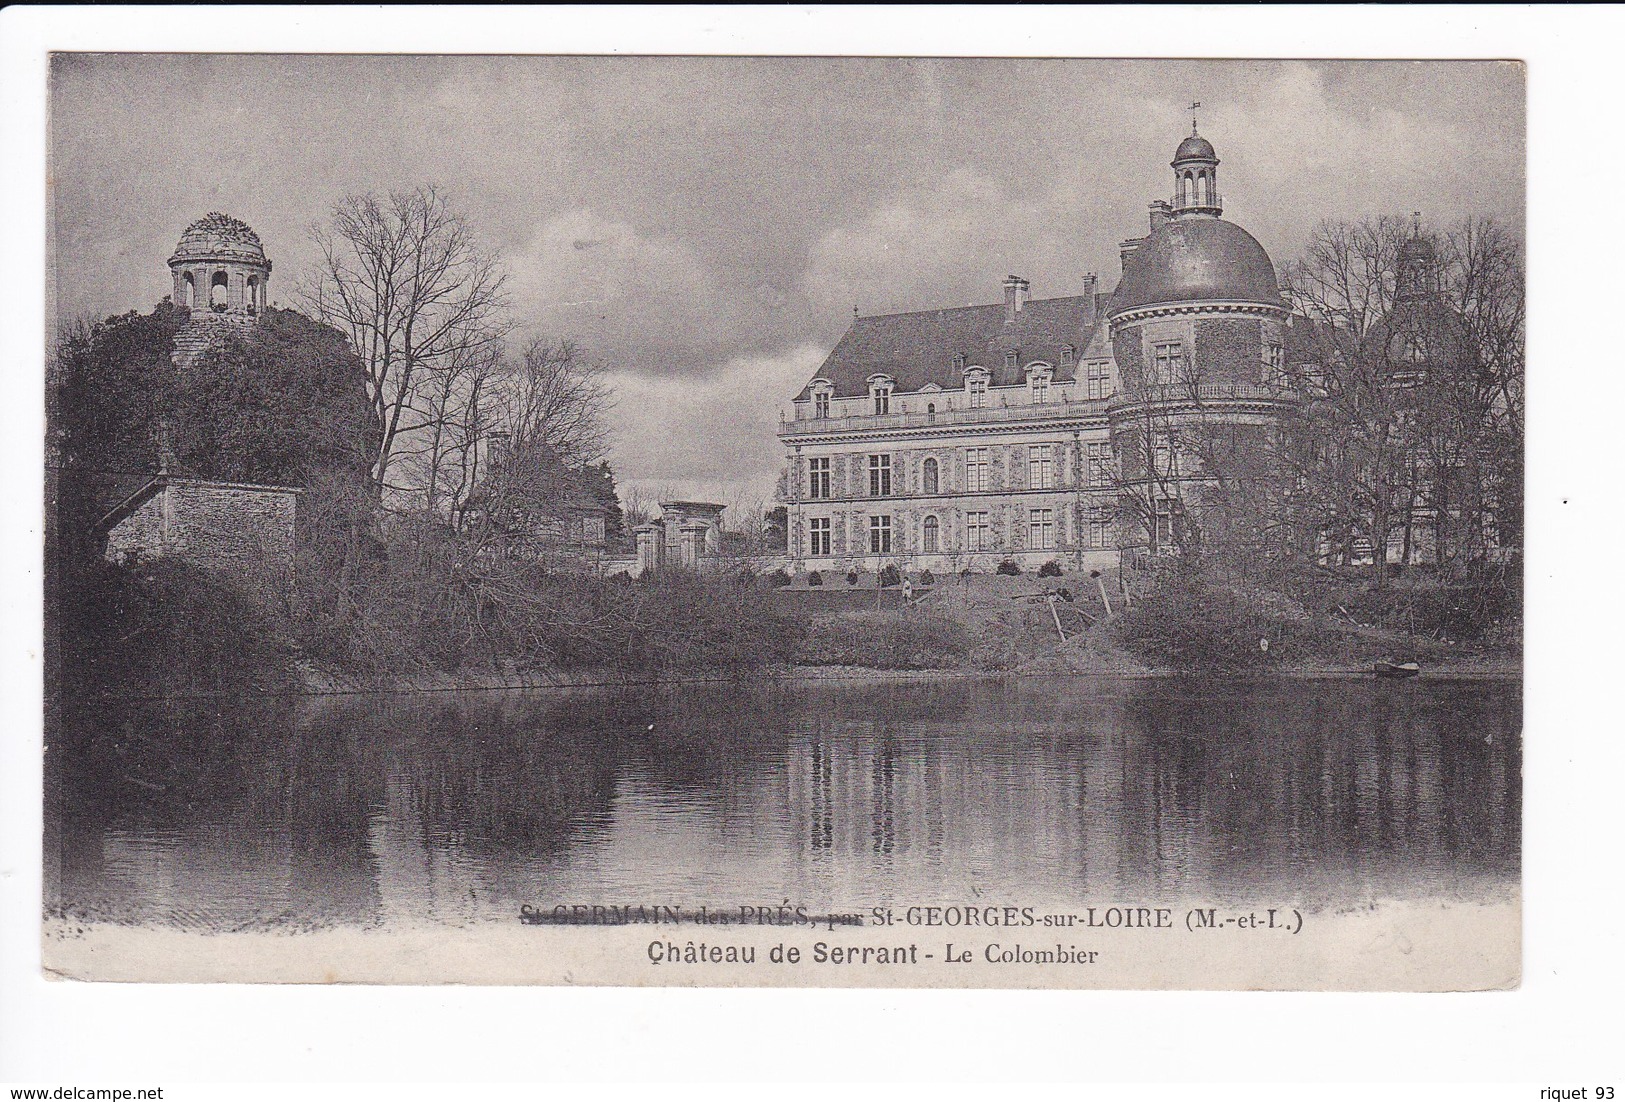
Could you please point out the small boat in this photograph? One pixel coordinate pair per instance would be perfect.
(1389, 668)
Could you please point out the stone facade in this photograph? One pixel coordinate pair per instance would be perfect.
(244, 532)
(956, 439)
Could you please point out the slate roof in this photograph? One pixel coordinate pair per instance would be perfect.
(919, 348)
(1197, 260)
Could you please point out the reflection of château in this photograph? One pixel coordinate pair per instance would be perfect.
(400, 812)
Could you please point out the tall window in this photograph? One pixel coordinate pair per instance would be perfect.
(1272, 363)
(978, 536)
(1041, 466)
(929, 477)
(928, 542)
(1167, 512)
(1169, 361)
(1165, 453)
(818, 477)
(976, 470)
(882, 396)
(880, 535)
(821, 404)
(1040, 391)
(1098, 456)
(1041, 529)
(880, 476)
(818, 527)
(978, 393)
(1099, 380)
(1100, 525)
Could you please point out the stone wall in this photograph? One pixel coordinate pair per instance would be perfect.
(1229, 350)
(245, 532)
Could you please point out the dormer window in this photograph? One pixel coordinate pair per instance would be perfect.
(1010, 359)
(976, 380)
(959, 362)
(1068, 354)
(1038, 380)
(821, 392)
(880, 388)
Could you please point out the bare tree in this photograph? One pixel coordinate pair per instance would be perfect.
(1418, 423)
(539, 429)
(404, 278)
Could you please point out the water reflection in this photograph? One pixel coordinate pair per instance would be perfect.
(458, 809)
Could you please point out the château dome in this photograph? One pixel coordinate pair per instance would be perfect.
(1197, 260)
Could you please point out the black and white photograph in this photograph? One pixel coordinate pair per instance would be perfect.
(808, 545)
(774, 521)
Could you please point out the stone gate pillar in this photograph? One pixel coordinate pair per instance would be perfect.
(692, 543)
(651, 547)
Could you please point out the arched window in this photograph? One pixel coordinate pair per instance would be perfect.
(929, 477)
(188, 290)
(929, 543)
(217, 289)
(931, 412)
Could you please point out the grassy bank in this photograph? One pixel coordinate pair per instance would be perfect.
(171, 631)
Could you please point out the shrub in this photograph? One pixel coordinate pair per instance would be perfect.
(890, 576)
(1051, 569)
(927, 578)
(778, 579)
(851, 577)
(887, 640)
(1188, 625)
(1009, 567)
(815, 578)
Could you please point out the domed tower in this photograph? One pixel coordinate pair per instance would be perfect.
(1421, 338)
(1196, 177)
(1197, 327)
(221, 273)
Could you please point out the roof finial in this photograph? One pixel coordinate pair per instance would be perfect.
(1195, 103)
(1416, 223)
(854, 309)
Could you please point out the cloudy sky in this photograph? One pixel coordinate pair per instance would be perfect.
(704, 227)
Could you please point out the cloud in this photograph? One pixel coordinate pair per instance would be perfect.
(642, 303)
(947, 243)
(713, 432)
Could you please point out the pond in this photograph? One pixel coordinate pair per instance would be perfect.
(458, 809)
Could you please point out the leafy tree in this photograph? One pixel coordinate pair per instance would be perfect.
(776, 528)
(283, 403)
(107, 388)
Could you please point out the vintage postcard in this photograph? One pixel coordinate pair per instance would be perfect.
(779, 521)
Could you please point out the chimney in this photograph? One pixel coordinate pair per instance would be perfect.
(1160, 210)
(1091, 287)
(1127, 249)
(1015, 296)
